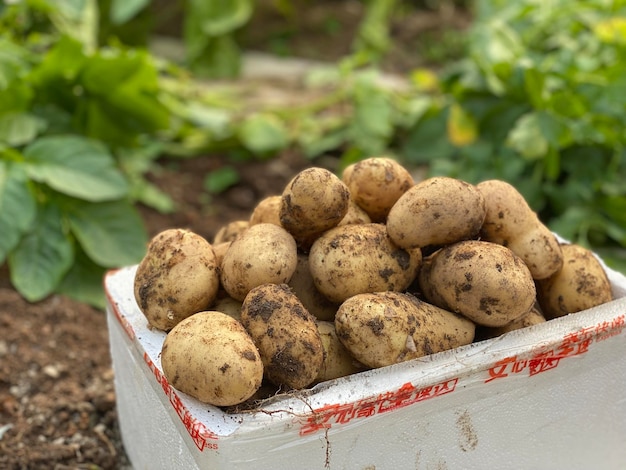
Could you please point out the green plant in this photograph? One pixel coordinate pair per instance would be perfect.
(74, 122)
(540, 102)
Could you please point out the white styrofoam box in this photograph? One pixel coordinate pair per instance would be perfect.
(551, 396)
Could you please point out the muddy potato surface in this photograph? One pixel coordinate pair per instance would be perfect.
(376, 184)
(385, 328)
(534, 317)
(262, 254)
(354, 259)
(285, 334)
(302, 284)
(436, 211)
(230, 231)
(314, 201)
(210, 356)
(510, 221)
(338, 362)
(581, 283)
(267, 211)
(177, 277)
(484, 281)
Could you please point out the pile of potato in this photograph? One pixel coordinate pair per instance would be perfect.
(338, 275)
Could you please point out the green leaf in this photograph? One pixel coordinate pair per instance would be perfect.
(219, 180)
(124, 10)
(42, 257)
(17, 129)
(534, 83)
(17, 207)
(263, 133)
(111, 233)
(526, 137)
(83, 282)
(78, 19)
(75, 166)
(218, 17)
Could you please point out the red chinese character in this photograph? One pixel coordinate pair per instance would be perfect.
(445, 387)
(177, 404)
(424, 393)
(319, 419)
(542, 362)
(618, 322)
(392, 400)
(498, 371)
(602, 327)
(519, 366)
(365, 409)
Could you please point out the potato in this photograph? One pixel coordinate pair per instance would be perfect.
(220, 250)
(581, 283)
(285, 334)
(436, 211)
(385, 328)
(262, 254)
(534, 317)
(509, 221)
(230, 231)
(314, 301)
(376, 183)
(483, 281)
(177, 277)
(314, 201)
(210, 356)
(267, 211)
(355, 215)
(228, 305)
(337, 360)
(354, 259)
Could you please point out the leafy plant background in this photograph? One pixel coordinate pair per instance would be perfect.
(533, 94)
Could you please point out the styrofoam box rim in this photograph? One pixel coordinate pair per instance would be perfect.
(522, 352)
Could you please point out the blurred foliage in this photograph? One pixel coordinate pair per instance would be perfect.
(540, 102)
(86, 109)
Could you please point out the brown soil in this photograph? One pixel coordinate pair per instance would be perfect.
(57, 397)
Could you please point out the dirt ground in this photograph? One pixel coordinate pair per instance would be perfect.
(57, 397)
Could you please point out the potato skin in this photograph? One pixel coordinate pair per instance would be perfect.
(230, 231)
(338, 362)
(534, 317)
(483, 281)
(262, 254)
(314, 201)
(285, 334)
(510, 221)
(302, 284)
(375, 185)
(436, 211)
(210, 356)
(385, 328)
(354, 259)
(581, 283)
(267, 211)
(178, 276)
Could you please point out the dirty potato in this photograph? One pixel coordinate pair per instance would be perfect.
(436, 211)
(385, 328)
(285, 334)
(353, 259)
(338, 362)
(534, 317)
(314, 201)
(210, 356)
(262, 254)
(177, 277)
(484, 281)
(230, 231)
(510, 221)
(581, 283)
(267, 211)
(376, 184)
(303, 286)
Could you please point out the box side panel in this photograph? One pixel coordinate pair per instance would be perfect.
(151, 439)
